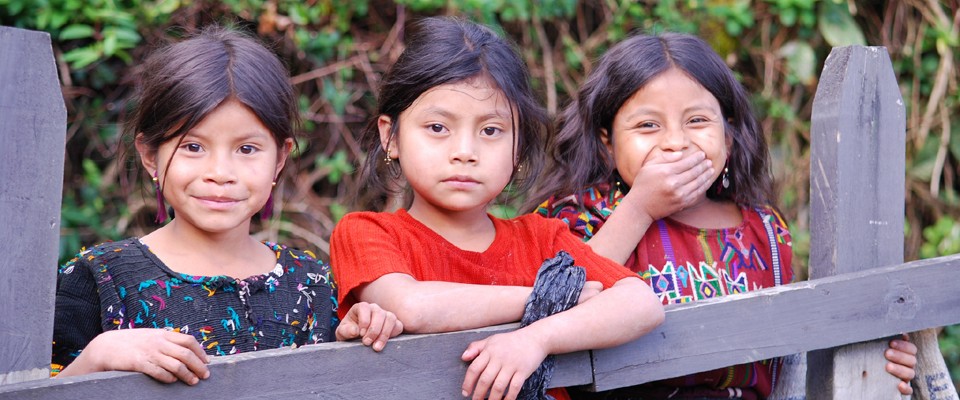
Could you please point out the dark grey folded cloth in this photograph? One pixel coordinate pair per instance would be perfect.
(557, 288)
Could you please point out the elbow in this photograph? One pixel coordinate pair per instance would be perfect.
(410, 312)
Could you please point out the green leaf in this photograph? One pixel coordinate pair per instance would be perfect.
(76, 31)
(801, 60)
(82, 56)
(837, 25)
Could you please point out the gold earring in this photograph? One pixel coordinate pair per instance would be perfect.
(388, 160)
(274, 184)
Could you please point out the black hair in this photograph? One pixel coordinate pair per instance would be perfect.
(578, 158)
(444, 51)
(183, 82)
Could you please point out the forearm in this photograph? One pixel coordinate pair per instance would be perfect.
(620, 234)
(433, 306)
(617, 315)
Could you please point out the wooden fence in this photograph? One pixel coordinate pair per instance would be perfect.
(861, 289)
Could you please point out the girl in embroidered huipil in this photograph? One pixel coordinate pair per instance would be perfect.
(215, 123)
(665, 115)
(457, 118)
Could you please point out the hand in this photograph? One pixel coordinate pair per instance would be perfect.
(500, 364)
(670, 183)
(590, 289)
(902, 357)
(161, 354)
(373, 323)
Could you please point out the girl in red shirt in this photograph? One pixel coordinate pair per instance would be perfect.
(458, 121)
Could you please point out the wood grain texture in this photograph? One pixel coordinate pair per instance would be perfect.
(411, 367)
(803, 316)
(33, 122)
(856, 191)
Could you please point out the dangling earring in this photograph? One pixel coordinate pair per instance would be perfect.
(388, 160)
(725, 179)
(161, 207)
(267, 210)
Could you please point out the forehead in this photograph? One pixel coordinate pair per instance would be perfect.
(480, 94)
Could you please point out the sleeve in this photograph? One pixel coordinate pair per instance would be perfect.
(77, 313)
(581, 220)
(363, 248)
(599, 268)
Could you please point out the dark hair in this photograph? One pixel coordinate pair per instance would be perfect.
(578, 159)
(442, 51)
(183, 82)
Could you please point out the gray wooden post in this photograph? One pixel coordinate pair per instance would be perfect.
(857, 202)
(33, 131)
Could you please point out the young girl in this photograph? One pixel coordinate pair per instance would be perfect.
(458, 121)
(658, 102)
(215, 123)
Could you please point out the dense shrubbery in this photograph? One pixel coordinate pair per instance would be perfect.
(336, 51)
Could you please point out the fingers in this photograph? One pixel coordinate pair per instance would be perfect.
(904, 345)
(486, 377)
(905, 388)
(515, 385)
(179, 358)
(501, 384)
(347, 330)
(475, 369)
(473, 350)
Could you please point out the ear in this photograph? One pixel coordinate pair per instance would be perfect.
(389, 146)
(282, 156)
(607, 142)
(147, 157)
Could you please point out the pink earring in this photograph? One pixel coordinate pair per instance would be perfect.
(267, 210)
(161, 207)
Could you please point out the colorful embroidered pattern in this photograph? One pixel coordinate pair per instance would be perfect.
(682, 264)
(123, 285)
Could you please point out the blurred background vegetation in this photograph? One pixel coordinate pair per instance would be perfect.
(337, 50)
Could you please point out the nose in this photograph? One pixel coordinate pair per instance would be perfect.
(674, 139)
(464, 149)
(219, 169)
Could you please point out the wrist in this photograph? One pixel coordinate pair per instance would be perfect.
(634, 202)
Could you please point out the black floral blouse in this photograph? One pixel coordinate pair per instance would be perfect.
(123, 285)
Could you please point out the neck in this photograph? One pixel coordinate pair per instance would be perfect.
(188, 250)
(710, 214)
(470, 230)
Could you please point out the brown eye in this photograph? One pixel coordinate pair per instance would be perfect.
(491, 131)
(436, 128)
(247, 149)
(192, 147)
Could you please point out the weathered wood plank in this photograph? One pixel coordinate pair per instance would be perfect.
(33, 129)
(857, 192)
(793, 318)
(411, 367)
(803, 316)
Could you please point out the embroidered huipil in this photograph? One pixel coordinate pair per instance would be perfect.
(123, 285)
(683, 264)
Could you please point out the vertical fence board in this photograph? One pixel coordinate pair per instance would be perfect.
(33, 130)
(857, 201)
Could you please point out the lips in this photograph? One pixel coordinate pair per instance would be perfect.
(461, 181)
(217, 202)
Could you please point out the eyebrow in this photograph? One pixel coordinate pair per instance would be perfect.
(648, 110)
(443, 112)
(246, 135)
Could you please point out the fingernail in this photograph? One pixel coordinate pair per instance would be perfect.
(206, 375)
(363, 332)
(464, 393)
(367, 341)
(194, 381)
(378, 346)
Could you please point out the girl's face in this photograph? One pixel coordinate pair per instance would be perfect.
(672, 112)
(221, 173)
(455, 145)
